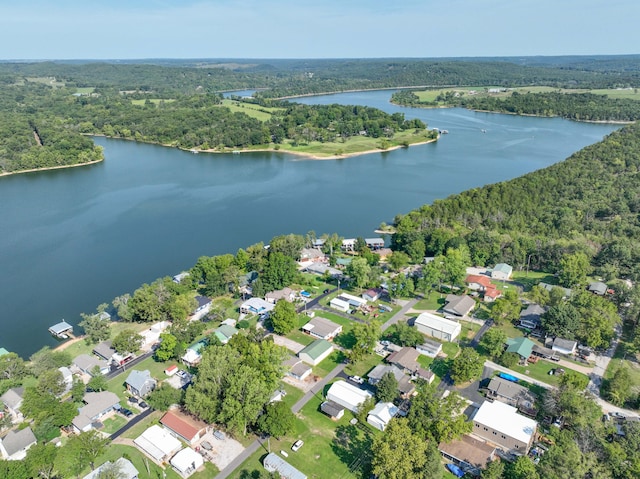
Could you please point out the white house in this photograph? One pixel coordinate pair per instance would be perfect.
(256, 306)
(372, 294)
(204, 306)
(347, 395)
(381, 414)
(187, 461)
(322, 328)
(158, 443)
(564, 346)
(339, 304)
(500, 423)
(501, 271)
(437, 327)
(125, 467)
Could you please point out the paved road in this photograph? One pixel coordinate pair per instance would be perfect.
(131, 423)
(115, 372)
(483, 329)
(317, 389)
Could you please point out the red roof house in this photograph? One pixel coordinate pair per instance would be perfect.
(478, 282)
(183, 426)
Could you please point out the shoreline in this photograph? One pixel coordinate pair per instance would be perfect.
(305, 95)
(48, 168)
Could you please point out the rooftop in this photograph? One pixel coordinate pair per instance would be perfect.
(182, 424)
(15, 441)
(273, 462)
(505, 419)
(321, 326)
(316, 348)
(438, 323)
(521, 346)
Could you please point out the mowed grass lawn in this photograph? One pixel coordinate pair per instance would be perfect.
(321, 456)
(258, 112)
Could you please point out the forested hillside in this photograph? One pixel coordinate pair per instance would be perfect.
(588, 203)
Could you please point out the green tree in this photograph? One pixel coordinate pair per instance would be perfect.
(96, 328)
(507, 308)
(112, 470)
(493, 341)
(494, 470)
(574, 269)
(46, 359)
(562, 321)
(398, 453)
(283, 318)
(466, 366)
(12, 366)
(97, 382)
(358, 270)
(404, 335)
(618, 388)
(86, 447)
(366, 335)
(127, 341)
(387, 388)
(521, 468)
(41, 460)
(277, 420)
(279, 271)
(77, 390)
(167, 348)
(398, 260)
(432, 276)
(164, 397)
(509, 359)
(455, 265)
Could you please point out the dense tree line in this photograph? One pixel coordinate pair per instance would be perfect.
(588, 203)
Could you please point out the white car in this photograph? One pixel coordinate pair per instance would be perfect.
(356, 379)
(297, 445)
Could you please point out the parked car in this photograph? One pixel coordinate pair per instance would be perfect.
(126, 412)
(132, 399)
(143, 405)
(326, 291)
(297, 445)
(356, 379)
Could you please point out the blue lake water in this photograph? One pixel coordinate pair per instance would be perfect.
(72, 239)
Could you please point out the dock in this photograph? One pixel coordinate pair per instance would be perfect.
(62, 330)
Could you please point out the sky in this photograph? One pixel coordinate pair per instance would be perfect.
(137, 29)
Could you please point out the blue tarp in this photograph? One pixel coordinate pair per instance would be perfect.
(455, 470)
(508, 377)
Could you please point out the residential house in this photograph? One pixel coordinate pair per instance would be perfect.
(406, 359)
(334, 410)
(380, 416)
(478, 282)
(347, 395)
(192, 356)
(502, 272)
(140, 383)
(256, 306)
(12, 399)
(311, 254)
(340, 305)
(500, 424)
(437, 327)
(564, 346)
(90, 364)
(315, 352)
(180, 276)
(61, 330)
(491, 294)
(375, 375)
(322, 328)
(225, 332)
(507, 391)
(459, 305)
(297, 369)
(67, 378)
(286, 293)
(349, 244)
(244, 286)
(158, 443)
(567, 292)
(187, 461)
(97, 405)
(597, 287)
(372, 294)
(14, 446)
(125, 467)
(104, 351)
(274, 463)
(530, 318)
(374, 243)
(204, 306)
(321, 269)
(469, 454)
(429, 348)
(184, 426)
(522, 346)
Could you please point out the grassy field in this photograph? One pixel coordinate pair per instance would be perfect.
(357, 144)
(258, 112)
(540, 372)
(433, 302)
(531, 278)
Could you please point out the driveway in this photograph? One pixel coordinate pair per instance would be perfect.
(291, 345)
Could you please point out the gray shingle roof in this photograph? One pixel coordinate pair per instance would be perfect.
(137, 379)
(13, 397)
(15, 441)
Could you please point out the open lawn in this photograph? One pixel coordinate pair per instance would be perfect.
(139, 460)
(362, 367)
(258, 112)
(139, 428)
(326, 366)
(468, 332)
(85, 90)
(434, 302)
(356, 144)
(540, 372)
(530, 279)
(112, 424)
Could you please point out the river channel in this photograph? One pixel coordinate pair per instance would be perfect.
(74, 238)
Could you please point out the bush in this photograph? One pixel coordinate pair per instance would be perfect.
(508, 360)
(243, 324)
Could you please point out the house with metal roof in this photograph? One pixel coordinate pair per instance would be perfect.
(380, 416)
(158, 443)
(502, 271)
(140, 383)
(14, 446)
(225, 332)
(315, 352)
(597, 287)
(500, 424)
(564, 346)
(125, 468)
(522, 346)
(187, 461)
(322, 328)
(3, 351)
(437, 326)
(274, 463)
(184, 426)
(347, 395)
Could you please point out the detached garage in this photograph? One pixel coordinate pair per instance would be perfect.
(347, 396)
(437, 327)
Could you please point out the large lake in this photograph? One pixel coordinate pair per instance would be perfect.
(74, 238)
